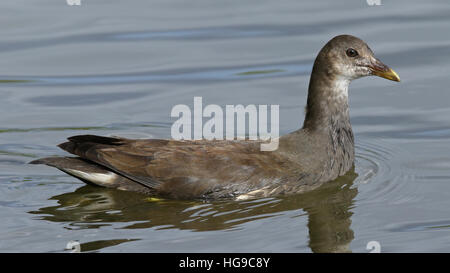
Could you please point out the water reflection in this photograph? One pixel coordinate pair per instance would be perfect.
(327, 208)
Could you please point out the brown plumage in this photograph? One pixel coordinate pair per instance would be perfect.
(319, 152)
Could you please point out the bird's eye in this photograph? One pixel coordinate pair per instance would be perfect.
(351, 52)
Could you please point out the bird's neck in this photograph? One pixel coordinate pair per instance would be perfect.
(327, 106)
(327, 118)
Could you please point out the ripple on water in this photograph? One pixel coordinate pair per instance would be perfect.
(197, 75)
(381, 177)
(421, 226)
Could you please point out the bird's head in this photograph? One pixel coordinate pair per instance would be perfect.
(349, 57)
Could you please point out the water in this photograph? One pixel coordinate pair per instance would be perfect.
(117, 68)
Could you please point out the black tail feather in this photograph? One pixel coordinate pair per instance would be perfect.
(96, 139)
(82, 144)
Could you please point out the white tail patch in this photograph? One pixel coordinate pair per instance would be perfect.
(101, 179)
(253, 194)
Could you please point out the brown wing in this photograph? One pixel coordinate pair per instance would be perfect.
(195, 166)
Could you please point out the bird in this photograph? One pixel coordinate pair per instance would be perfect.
(318, 152)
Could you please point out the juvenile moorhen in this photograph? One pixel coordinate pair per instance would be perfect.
(212, 169)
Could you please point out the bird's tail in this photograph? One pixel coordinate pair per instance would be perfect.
(92, 173)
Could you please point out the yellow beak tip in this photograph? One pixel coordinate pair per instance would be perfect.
(389, 74)
(395, 77)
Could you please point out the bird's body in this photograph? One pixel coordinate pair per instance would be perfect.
(319, 152)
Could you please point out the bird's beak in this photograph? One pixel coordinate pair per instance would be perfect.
(381, 70)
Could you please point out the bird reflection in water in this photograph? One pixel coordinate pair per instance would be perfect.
(328, 209)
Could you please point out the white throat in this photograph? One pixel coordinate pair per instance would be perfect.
(340, 89)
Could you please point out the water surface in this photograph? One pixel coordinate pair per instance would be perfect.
(118, 68)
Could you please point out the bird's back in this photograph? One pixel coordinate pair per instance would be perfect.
(188, 169)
